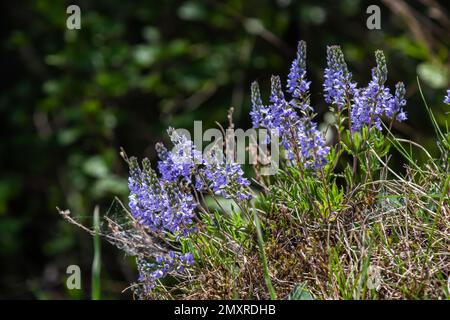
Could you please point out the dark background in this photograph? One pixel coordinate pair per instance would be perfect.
(71, 99)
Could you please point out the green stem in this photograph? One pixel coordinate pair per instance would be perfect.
(96, 263)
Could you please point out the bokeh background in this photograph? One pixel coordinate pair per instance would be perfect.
(71, 99)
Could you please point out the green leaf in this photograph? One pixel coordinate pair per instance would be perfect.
(300, 293)
(436, 76)
(96, 167)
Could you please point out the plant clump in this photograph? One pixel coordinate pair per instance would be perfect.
(339, 219)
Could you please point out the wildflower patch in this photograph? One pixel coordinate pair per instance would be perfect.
(334, 220)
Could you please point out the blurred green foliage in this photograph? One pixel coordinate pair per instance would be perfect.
(71, 98)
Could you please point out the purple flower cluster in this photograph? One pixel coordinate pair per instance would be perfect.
(312, 145)
(158, 204)
(150, 273)
(394, 109)
(297, 85)
(258, 110)
(447, 97)
(186, 164)
(224, 179)
(165, 204)
(370, 103)
(181, 161)
(162, 206)
(298, 134)
(338, 85)
(280, 116)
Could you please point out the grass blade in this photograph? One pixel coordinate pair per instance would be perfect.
(96, 263)
(263, 257)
